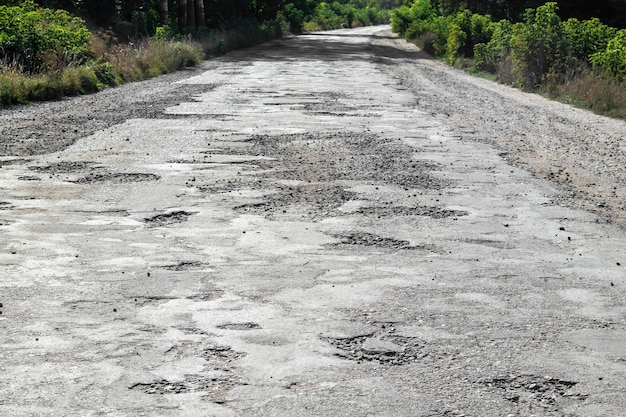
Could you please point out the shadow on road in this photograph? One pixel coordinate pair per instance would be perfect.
(328, 47)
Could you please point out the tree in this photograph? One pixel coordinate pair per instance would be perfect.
(164, 11)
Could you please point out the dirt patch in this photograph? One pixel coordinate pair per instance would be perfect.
(376, 241)
(539, 394)
(168, 219)
(215, 388)
(394, 211)
(65, 167)
(320, 164)
(117, 178)
(239, 326)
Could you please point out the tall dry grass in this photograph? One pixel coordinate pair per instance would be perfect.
(593, 90)
(111, 65)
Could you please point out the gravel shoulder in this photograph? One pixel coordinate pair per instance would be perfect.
(582, 152)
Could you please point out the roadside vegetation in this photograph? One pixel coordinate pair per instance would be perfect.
(56, 48)
(578, 61)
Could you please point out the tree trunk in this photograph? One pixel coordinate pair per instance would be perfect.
(164, 11)
(200, 17)
(191, 13)
(182, 15)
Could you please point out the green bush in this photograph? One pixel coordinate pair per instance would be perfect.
(538, 46)
(404, 17)
(587, 37)
(489, 56)
(458, 37)
(613, 58)
(28, 33)
(294, 16)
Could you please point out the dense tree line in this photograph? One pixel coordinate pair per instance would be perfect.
(184, 15)
(611, 12)
(188, 15)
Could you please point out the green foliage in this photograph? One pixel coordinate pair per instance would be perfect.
(538, 46)
(346, 14)
(29, 33)
(164, 33)
(419, 11)
(489, 56)
(613, 58)
(587, 37)
(294, 16)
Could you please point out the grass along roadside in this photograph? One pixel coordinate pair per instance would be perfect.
(114, 65)
(584, 88)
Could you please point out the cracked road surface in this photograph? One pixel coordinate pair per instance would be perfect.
(319, 230)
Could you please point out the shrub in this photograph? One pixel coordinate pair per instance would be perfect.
(457, 38)
(491, 55)
(164, 33)
(78, 80)
(613, 58)
(538, 46)
(404, 17)
(587, 37)
(28, 33)
(294, 16)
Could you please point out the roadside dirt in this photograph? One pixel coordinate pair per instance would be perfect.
(332, 224)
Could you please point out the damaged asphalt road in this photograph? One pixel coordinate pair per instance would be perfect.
(317, 226)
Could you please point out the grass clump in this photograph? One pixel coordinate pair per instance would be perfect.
(594, 90)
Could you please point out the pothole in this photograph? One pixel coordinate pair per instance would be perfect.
(168, 219)
(542, 393)
(160, 299)
(372, 240)
(118, 178)
(376, 241)
(491, 243)
(316, 163)
(207, 296)
(343, 156)
(239, 326)
(315, 201)
(17, 161)
(386, 349)
(215, 387)
(186, 266)
(230, 185)
(392, 211)
(65, 167)
(222, 354)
